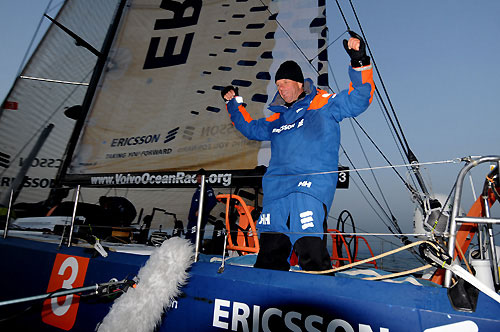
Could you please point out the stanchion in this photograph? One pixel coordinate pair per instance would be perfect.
(198, 223)
(8, 214)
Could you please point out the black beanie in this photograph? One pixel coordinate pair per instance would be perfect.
(289, 70)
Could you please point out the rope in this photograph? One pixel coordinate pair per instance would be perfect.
(398, 274)
(345, 267)
(463, 257)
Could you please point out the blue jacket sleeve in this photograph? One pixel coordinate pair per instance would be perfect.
(352, 102)
(258, 130)
(211, 201)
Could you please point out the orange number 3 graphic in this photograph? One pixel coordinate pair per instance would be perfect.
(68, 272)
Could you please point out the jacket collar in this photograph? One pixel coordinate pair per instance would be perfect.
(296, 110)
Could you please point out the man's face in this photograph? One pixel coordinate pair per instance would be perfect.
(289, 90)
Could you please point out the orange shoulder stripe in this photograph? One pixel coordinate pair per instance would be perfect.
(273, 117)
(320, 100)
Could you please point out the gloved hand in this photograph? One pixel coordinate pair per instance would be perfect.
(358, 57)
(227, 89)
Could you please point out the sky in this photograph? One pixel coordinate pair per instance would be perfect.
(433, 58)
(19, 20)
(439, 64)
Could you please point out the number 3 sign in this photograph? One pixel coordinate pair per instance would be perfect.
(68, 272)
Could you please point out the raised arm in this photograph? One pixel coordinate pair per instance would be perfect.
(258, 130)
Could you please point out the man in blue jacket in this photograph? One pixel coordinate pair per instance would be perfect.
(300, 181)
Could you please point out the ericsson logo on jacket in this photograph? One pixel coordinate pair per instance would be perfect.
(288, 127)
(306, 219)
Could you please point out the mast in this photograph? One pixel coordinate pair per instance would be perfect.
(87, 101)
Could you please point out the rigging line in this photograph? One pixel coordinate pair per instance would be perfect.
(21, 66)
(379, 75)
(293, 41)
(328, 233)
(378, 235)
(55, 6)
(402, 179)
(371, 206)
(406, 149)
(342, 13)
(365, 231)
(354, 169)
(56, 109)
(376, 88)
(373, 174)
(368, 189)
(380, 151)
(444, 205)
(393, 219)
(378, 97)
(401, 153)
(398, 146)
(327, 46)
(284, 30)
(385, 117)
(334, 77)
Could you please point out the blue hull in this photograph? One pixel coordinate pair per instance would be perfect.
(240, 298)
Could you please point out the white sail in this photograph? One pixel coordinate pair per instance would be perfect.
(158, 107)
(32, 105)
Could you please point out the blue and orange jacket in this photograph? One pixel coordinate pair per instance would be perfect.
(305, 137)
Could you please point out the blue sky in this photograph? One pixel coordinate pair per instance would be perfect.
(18, 22)
(434, 60)
(439, 62)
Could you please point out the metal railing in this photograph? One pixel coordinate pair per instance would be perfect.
(454, 218)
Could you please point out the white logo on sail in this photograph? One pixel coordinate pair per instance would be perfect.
(306, 219)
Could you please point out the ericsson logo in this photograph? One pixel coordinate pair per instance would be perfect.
(171, 135)
(4, 160)
(306, 218)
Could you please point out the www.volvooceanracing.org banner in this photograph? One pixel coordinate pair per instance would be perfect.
(158, 107)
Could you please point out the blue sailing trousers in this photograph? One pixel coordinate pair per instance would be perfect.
(296, 215)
